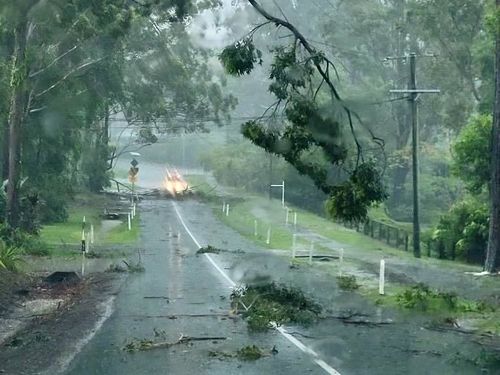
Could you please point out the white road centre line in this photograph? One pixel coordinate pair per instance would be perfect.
(325, 366)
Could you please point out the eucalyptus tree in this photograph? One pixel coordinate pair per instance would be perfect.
(75, 63)
(492, 251)
(54, 43)
(317, 118)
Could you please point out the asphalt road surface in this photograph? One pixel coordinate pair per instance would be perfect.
(182, 293)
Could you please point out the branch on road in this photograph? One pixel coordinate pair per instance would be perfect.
(146, 344)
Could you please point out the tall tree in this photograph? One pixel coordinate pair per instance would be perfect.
(492, 251)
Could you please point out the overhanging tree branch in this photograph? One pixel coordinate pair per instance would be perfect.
(318, 59)
(67, 75)
(53, 62)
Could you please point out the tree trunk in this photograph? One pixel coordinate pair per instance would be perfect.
(400, 111)
(16, 117)
(5, 152)
(490, 264)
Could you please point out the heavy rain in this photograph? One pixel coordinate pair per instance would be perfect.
(250, 187)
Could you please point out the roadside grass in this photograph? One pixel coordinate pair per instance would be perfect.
(243, 222)
(121, 234)
(378, 213)
(441, 306)
(198, 183)
(62, 237)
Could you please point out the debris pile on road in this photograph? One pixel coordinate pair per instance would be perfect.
(247, 353)
(129, 267)
(264, 306)
(208, 249)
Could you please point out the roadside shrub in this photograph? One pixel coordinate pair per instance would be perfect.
(29, 244)
(347, 282)
(421, 297)
(463, 232)
(10, 257)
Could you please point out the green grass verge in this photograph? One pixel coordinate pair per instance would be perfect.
(69, 233)
(121, 234)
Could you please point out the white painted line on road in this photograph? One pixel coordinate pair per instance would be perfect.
(63, 364)
(325, 366)
(224, 275)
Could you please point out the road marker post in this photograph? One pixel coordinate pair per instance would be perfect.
(83, 264)
(255, 228)
(129, 221)
(268, 240)
(295, 219)
(294, 246)
(227, 209)
(87, 243)
(84, 246)
(341, 260)
(92, 234)
(381, 283)
(223, 207)
(311, 249)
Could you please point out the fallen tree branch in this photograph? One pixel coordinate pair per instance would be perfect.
(146, 344)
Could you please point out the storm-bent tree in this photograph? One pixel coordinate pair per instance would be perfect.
(317, 119)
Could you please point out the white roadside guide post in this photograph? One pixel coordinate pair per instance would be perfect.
(223, 207)
(255, 228)
(311, 249)
(84, 246)
(268, 240)
(129, 222)
(294, 245)
(92, 234)
(83, 263)
(282, 186)
(381, 282)
(227, 209)
(295, 219)
(341, 261)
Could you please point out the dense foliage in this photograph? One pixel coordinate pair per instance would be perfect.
(69, 68)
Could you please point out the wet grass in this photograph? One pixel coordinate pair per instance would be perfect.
(121, 234)
(61, 236)
(263, 306)
(241, 219)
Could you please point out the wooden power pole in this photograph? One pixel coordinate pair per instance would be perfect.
(412, 99)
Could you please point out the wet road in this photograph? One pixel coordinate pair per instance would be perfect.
(188, 284)
(177, 282)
